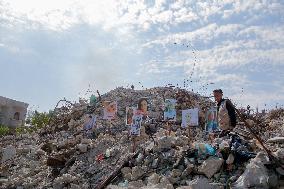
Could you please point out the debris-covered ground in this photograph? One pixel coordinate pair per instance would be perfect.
(62, 156)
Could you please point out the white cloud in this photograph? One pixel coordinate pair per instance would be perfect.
(151, 67)
(227, 34)
(60, 15)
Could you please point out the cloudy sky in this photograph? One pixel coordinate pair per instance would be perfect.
(54, 49)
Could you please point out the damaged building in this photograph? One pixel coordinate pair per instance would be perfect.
(12, 112)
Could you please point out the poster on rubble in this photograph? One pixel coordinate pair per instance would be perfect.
(130, 112)
(189, 117)
(142, 106)
(90, 122)
(170, 113)
(211, 120)
(136, 125)
(110, 109)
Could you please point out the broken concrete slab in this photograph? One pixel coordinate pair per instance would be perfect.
(255, 175)
(187, 171)
(8, 153)
(137, 172)
(153, 179)
(82, 148)
(197, 184)
(276, 140)
(211, 166)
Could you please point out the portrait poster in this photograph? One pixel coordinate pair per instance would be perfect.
(170, 113)
(130, 112)
(142, 106)
(136, 125)
(110, 109)
(211, 120)
(90, 122)
(189, 117)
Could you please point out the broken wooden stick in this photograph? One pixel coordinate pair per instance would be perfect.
(105, 182)
(269, 153)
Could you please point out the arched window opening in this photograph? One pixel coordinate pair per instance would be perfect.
(17, 116)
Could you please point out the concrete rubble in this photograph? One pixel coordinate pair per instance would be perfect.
(211, 166)
(62, 156)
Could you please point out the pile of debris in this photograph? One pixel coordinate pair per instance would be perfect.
(62, 156)
(176, 162)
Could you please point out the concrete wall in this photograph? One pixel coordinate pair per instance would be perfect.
(12, 112)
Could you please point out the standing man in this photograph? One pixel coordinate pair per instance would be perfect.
(225, 112)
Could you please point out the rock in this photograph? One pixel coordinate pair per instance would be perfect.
(153, 179)
(148, 161)
(120, 113)
(126, 173)
(181, 168)
(164, 183)
(165, 142)
(217, 186)
(199, 183)
(165, 180)
(136, 184)
(8, 153)
(149, 147)
(75, 186)
(123, 184)
(136, 173)
(23, 151)
(181, 140)
(128, 176)
(140, 158)
(176, 173)
(280, 171)
(3, 180)
(64, 179)
(111, 186)
(155, 163)
(173, 180)
(211, 166)
(169, 186)
(62, 144)
(255, 176)
(280, 154)
(79, 137)
(40, 152)
(187, 170)
(83, 148)
(262, 157)
(86, 141)
(225, 144)
(250, 122)
(272, 179)
(276, 140)
(125, 170)
(230, 159)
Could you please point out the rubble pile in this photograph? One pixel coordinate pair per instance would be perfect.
(274, 123)
(61, 155)
(171, 164)
(267, 125)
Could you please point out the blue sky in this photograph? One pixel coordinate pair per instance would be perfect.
(55, 49)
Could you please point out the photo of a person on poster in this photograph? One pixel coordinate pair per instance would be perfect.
(211, 120)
